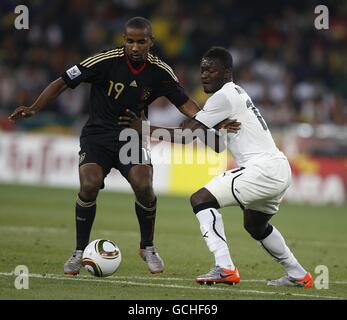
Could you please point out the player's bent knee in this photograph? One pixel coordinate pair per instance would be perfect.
(143, 187)
(91, 180)
(144, 192)
(202, 196)
(196, 199)
(203, 199)
(90, 187)
(141, 181)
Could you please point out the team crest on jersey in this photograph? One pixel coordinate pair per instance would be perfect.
(82, 157)
(73, 72)
(146, 93)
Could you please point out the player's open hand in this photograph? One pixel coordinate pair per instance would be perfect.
(131, 120)
(21, 112)
(231, 125)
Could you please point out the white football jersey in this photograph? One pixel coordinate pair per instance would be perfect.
(253, 142)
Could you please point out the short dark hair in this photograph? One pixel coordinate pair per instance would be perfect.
(140, 23)
(222, 55)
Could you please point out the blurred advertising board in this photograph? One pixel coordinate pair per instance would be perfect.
(53, 161)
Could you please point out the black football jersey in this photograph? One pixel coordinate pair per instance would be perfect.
(116, 85)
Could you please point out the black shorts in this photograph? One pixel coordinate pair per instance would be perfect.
(109, 153)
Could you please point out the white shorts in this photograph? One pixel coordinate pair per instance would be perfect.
(260, 186)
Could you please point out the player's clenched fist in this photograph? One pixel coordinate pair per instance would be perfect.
(21, 112)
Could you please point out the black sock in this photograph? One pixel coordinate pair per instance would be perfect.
(85, 214)
(146, 218)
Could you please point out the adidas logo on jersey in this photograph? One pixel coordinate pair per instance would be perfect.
(133, 84)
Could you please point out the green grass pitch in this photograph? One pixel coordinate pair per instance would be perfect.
(37, 230)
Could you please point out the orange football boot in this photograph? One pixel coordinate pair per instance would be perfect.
(219, 275)
(306, 282)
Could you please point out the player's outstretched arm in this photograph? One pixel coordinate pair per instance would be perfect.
(50, 93)
(189, 108)
(131, 120)
(211, 137)
(185, 134)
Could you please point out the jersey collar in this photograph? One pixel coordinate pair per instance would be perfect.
(132, 69)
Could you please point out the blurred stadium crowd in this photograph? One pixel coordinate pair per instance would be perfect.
(292, 71)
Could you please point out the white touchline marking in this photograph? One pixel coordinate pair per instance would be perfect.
(86, 279)
(160, 278)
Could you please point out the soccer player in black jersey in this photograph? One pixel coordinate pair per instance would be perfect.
(129, 77)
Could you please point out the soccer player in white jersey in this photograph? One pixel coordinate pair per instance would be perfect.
(257, 185)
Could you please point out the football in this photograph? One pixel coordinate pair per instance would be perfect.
(102, 257)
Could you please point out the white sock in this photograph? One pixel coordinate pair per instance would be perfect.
(212, 229)
(275, 246)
